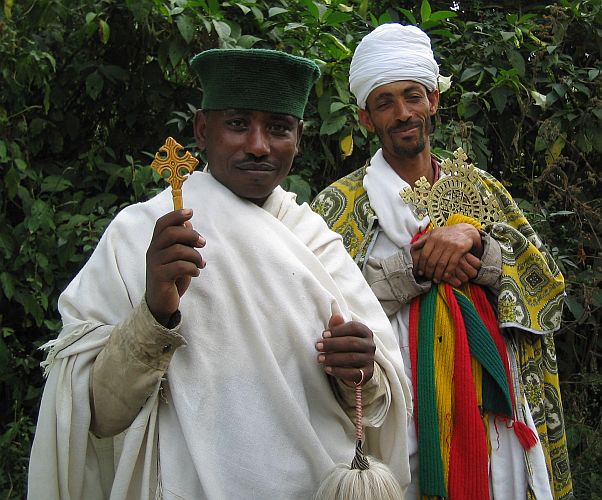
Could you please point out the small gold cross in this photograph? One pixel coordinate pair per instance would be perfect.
(174, 167)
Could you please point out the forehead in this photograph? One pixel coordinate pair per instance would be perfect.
(399, 87)
(252, 114)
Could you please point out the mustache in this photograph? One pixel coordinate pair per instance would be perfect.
(403, 126)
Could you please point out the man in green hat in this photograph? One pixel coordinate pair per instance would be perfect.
(225, 367)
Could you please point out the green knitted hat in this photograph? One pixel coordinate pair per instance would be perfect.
(258, 79)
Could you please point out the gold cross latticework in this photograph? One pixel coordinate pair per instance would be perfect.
(455, 193)
(174, 166)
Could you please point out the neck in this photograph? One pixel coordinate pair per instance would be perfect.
(410, 169)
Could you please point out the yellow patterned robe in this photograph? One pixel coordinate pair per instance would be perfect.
(529, 303)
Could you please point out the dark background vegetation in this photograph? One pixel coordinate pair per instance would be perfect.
(89, 90)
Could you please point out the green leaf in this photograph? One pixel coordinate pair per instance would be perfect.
(468, 73)
(517, 61)
(244, 8)
(335, 17)
(384, 18)
(409, 15)
(596, 111)
(20, 164)
(312, 8)
(507, 35)
(113, 73)
(441, 14)
(94, 84)
(274, 11)
(582, 88)
(500, 95)
(425, 10)
(363, 9)
(55, 184)
(214, 7)
(186, 27)
(4, 351)
(336, 106)
(297, 184)
(333, 124)
(8, 285)
(247, 41)
(176, 51)
(575, 307)
(222, 29)
(560, 89)
(104, 31)
(592, 74)
(334, 46)
(257, 13)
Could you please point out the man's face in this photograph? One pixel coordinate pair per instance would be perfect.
(249, 152)
(400, 114)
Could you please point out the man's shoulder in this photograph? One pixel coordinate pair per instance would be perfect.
(345, 207)
(347, 190)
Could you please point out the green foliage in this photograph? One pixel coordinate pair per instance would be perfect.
(89, 90)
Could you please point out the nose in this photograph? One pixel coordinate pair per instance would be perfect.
(402, 111)
(257, 143)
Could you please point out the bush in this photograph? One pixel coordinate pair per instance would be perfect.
(89, 91)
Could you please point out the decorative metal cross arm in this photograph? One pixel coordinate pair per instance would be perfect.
(174, 167)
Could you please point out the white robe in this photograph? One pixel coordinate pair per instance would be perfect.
(246, 411)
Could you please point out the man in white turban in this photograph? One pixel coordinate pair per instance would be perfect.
(445, 285)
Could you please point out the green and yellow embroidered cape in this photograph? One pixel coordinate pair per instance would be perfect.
(530, 300)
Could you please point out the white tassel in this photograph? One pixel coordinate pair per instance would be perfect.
(375, 483)
(366, 478)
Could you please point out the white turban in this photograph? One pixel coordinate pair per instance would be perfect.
(390, 53)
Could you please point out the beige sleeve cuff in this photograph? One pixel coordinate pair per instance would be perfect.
(392, 280)
(491, 264)
(376, 394)
(128, 370)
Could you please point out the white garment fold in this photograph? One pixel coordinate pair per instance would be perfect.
(247, 411)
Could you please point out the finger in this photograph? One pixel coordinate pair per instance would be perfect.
(351, 375)
(346, 345)
(177, 234)
(468, 269)
(462, 276)
(348, 329)
(335, 320)
(175, 270)
(425, 253)
(177, 253)
(175, 218)
(436, 263)
(473, 261)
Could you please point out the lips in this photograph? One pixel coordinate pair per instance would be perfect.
(256, 167)
(405, 128)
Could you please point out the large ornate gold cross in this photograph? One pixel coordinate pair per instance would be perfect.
(458, 192)
(174, 167)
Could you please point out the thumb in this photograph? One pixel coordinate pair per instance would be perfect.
(335, 320)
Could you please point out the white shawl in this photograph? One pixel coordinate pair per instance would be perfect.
(246, 411)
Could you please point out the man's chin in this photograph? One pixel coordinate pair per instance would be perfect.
(409, 152)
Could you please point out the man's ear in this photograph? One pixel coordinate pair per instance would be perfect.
(433, 98)
(200, 129)
(299, 134)
(365, 120)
